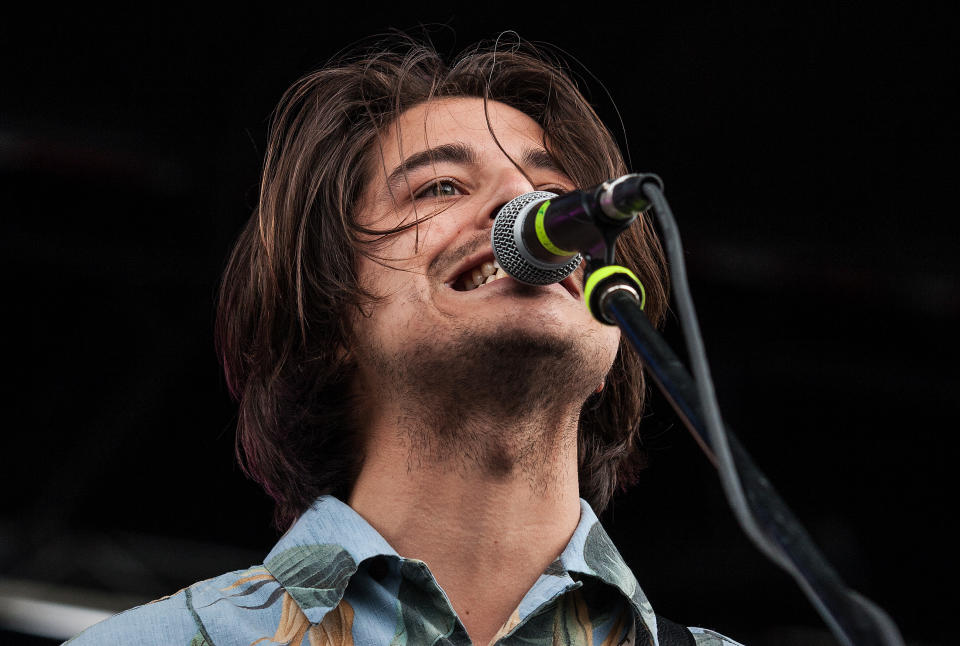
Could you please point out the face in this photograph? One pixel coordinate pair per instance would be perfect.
(426, 314)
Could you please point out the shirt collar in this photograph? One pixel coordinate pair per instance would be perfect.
(591, 552)
(318, 555)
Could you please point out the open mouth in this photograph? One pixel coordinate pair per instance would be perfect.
(485, 273)
(483, 270)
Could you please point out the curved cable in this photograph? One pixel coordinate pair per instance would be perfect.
(703, 380)
(882, 626)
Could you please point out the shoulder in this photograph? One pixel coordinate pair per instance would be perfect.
(670, 633)
(194, 616)
(704, 637)
(166, 621)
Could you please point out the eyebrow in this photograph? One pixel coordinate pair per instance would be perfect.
(456, 153)
(460, 153)
(540, 159)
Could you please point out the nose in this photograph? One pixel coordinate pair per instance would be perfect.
(508, 186)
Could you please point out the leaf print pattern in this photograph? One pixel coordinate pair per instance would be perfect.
(602, 557)
(188, 601)
(423, 614)
(336, 629)
(249, 584)
(571, 622)
(613, 637)
(605, 561)
(508, 625)
(315, 575)
(704, 637)
(259, 574)
(587, 596)
(555, 569)
(293, 624)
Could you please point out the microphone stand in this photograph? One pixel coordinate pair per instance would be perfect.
(617, 299)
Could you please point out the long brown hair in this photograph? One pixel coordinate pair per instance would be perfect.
(291, 284)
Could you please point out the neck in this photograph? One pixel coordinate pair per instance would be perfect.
(504, 493)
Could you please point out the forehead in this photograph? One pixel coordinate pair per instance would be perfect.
(466, 119)
(482, 127)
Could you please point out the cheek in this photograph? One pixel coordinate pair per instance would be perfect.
(605, 340)
(387, 270)
(370, 275)
(614, 343)
(395, 284)
(395, 257)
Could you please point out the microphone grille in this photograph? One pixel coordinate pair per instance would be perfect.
(507, 245)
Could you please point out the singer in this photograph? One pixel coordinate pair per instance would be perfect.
(438, 437)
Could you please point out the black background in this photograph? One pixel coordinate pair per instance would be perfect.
(808, 151)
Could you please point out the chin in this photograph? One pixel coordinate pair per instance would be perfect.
(526, 363)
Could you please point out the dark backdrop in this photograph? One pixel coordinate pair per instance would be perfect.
(808, 151)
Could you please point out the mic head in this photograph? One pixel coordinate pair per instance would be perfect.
(510, 250)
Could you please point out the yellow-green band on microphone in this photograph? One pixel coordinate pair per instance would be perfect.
(606, 272)
(542, 233)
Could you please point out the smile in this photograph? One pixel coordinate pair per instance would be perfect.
(482, 274)
(482, 269)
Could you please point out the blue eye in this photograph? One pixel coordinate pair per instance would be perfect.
(439, 188)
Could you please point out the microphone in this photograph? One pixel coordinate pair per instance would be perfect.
(538, 237)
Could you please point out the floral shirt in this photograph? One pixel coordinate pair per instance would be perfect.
(333, 580)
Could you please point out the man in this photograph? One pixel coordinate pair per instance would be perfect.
(426, 425)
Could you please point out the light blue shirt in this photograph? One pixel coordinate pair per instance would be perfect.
(333, 580)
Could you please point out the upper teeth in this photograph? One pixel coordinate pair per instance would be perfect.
(482, 274)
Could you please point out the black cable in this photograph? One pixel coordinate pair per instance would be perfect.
(700, 368)
(817, 578)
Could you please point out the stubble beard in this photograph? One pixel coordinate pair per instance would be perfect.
(504, 402)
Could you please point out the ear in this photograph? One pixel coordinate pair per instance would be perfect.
(599, 389)
(344, 354)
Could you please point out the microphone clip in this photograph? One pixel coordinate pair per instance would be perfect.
(613, 206)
